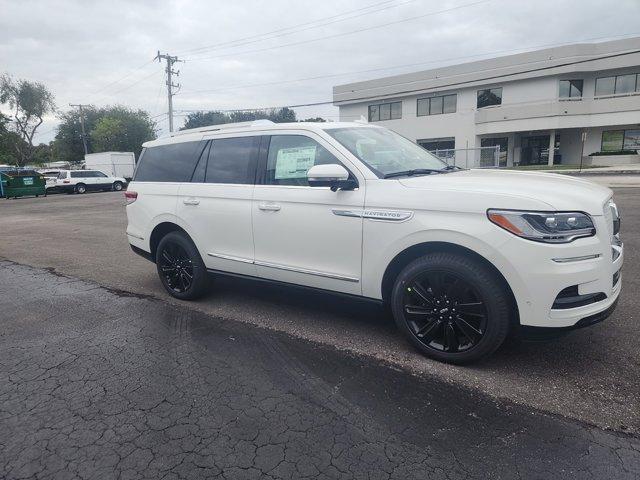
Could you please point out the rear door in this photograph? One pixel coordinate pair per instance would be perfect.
(216, 205)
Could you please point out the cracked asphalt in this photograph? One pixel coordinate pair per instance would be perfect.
(98, 383)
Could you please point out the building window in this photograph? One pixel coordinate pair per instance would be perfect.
(571, 88)
(617, 140)
(385, 111)
(489, 97)
(617, 85)
(436, 105)
(433, 144)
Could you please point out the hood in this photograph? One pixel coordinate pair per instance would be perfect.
(559, 192)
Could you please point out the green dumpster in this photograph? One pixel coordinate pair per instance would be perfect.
(20, 183)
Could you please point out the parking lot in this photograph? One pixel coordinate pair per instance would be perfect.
(58, 314)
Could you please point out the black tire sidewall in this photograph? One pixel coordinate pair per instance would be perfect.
(116, 185)
(81, 185)
(200, 283)
(488, 285)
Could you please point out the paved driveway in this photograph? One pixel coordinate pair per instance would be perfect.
(592, 375)
(95, 384)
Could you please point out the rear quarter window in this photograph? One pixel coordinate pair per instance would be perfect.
(169, 163)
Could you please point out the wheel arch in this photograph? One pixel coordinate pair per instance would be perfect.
(409, 254)
(159, 231)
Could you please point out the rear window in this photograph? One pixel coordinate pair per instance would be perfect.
(169, 163)
(233, 160)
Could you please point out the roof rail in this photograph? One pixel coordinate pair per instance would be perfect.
(222, 126)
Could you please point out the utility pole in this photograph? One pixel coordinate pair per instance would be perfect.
(84, 135)
(171, 59)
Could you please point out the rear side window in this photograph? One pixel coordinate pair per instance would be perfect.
(169, 163)
(232, 160)
(291, 156)
(79, 175)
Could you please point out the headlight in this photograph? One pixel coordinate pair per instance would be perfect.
(548, 227)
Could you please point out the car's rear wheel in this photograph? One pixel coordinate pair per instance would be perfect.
(117, 186)
(453, 308)
(180, 267)
(81, 188)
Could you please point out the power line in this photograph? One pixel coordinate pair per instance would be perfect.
(344, 33)
(131, 72)
(441, 60)
(296, 28)
(440, 87)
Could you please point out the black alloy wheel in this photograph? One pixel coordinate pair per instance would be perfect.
(180, 267)
(445, 312)
(177, 267)
(452, 307)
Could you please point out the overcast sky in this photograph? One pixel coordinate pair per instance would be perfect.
(101, 52)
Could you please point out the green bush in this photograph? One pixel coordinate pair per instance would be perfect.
(619, 152)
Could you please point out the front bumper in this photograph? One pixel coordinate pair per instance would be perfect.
(588, 266)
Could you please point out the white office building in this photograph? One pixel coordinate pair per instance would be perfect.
(572, 101)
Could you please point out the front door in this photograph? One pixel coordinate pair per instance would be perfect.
(301, 233)
(216, 205)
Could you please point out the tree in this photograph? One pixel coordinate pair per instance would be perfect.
(122, 129)
(216, 117)
(110, 128)
(68, 143)
(30, 102)
(314, 119)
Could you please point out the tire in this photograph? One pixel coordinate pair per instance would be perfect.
(180, 267)
(452, 308)
(117, 186)
(81, 188)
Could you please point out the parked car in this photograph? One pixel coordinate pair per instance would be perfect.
(50, 177)
(81, 181)
(116, 164)
(462, 257)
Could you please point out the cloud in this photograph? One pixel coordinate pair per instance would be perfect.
(79, 48)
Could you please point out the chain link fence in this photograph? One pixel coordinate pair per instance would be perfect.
(479, 157)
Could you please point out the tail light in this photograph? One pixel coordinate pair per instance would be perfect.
(130, 197)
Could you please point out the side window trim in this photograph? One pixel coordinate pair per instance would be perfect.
(204, 153)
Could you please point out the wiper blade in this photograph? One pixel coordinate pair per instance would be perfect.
(415, 171)
(452, 167)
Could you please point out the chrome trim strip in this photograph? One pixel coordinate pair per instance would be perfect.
(347, 213)
(308, 272)
(384, 215)
(230, 257)
(576, 259)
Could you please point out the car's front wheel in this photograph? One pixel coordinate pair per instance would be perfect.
(81, 188)
(180, 267)
(453, 308)
(117, 186)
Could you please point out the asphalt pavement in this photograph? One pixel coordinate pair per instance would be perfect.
(591, 375)
(102, 384)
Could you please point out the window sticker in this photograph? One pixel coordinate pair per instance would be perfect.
(27, 181)
(294, 162)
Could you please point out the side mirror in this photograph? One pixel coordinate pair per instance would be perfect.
(334, 176)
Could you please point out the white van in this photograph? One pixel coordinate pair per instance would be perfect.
(462, 257)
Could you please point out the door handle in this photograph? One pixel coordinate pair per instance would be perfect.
(191, 201)
(269, 207)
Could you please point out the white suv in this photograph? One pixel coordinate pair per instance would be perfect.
(461, 256)
(82, 181)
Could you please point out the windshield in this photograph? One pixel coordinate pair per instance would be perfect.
(385, 152)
